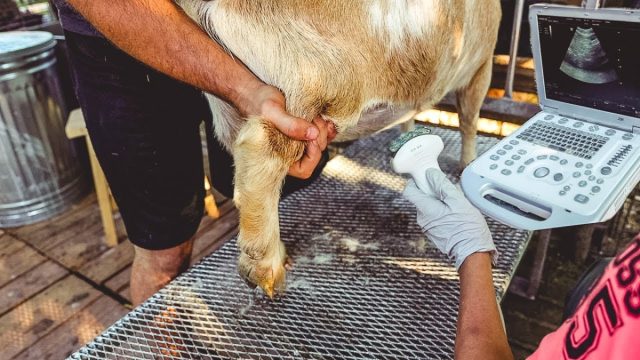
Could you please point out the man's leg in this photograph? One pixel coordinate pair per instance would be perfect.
(153, 269)
(144, 128)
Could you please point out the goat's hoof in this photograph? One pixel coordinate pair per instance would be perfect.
(268, 274)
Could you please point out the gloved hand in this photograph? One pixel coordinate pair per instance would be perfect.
(448, 219)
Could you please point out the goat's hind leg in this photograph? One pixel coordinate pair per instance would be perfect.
(469, 102)
(263, 156)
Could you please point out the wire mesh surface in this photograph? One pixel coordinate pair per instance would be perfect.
(365, 284)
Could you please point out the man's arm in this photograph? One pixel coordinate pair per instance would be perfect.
(460, 231)
(480, 334)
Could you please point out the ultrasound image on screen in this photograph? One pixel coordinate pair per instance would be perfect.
(586, 60)
(592, 63)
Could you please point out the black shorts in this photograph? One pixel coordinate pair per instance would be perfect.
(145, 129)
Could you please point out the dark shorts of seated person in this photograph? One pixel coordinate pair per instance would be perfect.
(145, 129)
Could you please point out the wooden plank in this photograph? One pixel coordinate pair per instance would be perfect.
(51, 238)
(19, 262)
(76, 214)
(210, 206)
(72, 235)
(81, 328)
(41, 314)
(119, 281)
(497, 109)
(30, 283)
(523, 81)
(126, 293)
(89, 225)
(104, 199)
(63, 218)
(108, 263)
(80, 249)
(76, 127)
(10, 245)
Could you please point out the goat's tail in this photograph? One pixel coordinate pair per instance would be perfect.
(262, 157)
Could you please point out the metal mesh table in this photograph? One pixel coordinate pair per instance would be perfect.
(365, 285)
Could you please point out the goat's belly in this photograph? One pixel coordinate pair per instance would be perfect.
(373, 120)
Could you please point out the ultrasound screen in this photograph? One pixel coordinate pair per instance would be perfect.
(592, 63)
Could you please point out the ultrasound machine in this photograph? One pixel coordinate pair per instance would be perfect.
(577, 160)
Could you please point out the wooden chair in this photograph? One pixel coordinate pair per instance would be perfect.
(76, 128)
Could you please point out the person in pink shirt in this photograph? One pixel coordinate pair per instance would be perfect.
(606, 317)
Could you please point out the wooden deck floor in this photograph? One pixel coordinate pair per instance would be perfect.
(60, 286)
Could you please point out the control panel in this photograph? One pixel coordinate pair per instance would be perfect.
(555, 171)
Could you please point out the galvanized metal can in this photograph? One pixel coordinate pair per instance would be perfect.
(40, 175)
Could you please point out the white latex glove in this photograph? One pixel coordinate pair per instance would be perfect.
(448, 219)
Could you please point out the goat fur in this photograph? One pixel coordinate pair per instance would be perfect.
(339, 59)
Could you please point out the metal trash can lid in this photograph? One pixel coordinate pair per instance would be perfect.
(16, 44)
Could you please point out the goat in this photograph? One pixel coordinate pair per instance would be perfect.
(339, 59)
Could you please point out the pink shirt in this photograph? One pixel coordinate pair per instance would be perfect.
(606, 324)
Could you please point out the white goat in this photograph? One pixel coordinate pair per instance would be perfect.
(338, 58)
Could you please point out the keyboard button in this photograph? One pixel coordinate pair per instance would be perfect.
(554, 158)
(578, 124)
(541, 172)
(494, 157)
(514, 142)
(627, 136)
(587, 172)
(506, 172)
(508, 147)
(522, 152)
(582, 199)
(541, 157)
(595, 189)
(594, 128)
(610, 132)
(589, 166)
(567, 188)
(579, 165)
(562, 193)
(516, 157)
(605, 170)
(563, 121)
(529, 162)
(600, 181)
(549, 117)
(508, 162)
(564, 162)
(592, 177)
(558, 177)
(521, 169)
(582, 183)
(577, 174)
(493, 166)
(501, 152)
